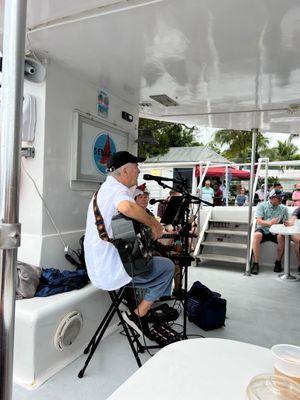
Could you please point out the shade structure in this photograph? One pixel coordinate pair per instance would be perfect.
(233, 172)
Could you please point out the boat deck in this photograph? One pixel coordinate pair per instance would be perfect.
(262, 310)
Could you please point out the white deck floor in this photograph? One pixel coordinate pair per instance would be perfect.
(261, 309)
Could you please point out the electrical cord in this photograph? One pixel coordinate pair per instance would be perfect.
(47, 210)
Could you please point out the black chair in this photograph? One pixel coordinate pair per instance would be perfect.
(132, 336)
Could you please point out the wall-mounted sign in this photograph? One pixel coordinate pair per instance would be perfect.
(93, 143)
(104, 147)
(102, 104)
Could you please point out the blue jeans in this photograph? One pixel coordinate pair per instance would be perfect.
(158, 281)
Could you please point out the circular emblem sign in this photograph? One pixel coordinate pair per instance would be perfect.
(104, 147)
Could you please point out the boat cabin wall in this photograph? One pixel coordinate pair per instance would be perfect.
(57, 98)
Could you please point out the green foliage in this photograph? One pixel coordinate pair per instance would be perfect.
(284, 151)
(237, 144)
(167, 134)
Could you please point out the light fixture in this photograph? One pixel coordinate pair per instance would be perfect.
(164, 100)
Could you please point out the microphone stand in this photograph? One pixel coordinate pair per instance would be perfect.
(184, 259)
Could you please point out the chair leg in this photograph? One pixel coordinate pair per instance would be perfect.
(127, 333)
(98, 335)
(87, 349)
(94, 342)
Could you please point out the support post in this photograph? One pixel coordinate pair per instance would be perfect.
(227, 185)
(251, 188)
(12, 103)
(266, 179)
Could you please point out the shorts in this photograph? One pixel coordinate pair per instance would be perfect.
(267, 237)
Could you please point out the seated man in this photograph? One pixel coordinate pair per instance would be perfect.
(296, 238)
(104, 265)
(267, 214)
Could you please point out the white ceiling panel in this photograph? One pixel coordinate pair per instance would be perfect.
(212, 57)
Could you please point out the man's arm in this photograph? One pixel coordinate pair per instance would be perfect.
(260, 217)
(134, 211)
(262, 222)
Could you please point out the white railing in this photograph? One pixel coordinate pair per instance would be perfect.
(202, 232)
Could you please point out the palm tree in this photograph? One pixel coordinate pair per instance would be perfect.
(239, 144)
(284, 151)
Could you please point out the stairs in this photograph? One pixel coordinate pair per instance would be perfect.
(224, 241)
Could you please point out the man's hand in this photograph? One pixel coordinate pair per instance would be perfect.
(273, 221)
(157, 229)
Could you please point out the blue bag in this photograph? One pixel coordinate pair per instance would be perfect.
(205, 308)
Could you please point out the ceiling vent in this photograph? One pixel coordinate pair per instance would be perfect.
(164, 100)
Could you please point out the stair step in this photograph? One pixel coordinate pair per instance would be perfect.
(225, 244)
(227, 232)
(222, 258)
(227, 221)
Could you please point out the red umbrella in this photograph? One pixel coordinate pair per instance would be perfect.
(221, 171)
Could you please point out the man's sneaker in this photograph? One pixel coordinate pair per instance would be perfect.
(277, 267)
(139, 324)
(255, 268)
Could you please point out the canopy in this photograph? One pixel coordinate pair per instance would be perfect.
(234, 172)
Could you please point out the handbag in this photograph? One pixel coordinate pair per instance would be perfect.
(205, 308)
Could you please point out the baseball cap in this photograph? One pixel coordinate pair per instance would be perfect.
(121, 158)
(276, 193)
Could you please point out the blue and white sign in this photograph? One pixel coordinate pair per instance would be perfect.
(104, 147)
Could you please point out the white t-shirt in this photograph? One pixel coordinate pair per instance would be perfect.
(104, 265)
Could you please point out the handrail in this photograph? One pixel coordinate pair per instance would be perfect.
(256, 178)
(201, 234)
(253, 226)
(202, 177)
(259, 165)
(294, 163)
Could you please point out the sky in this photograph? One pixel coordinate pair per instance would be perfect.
(205, 135)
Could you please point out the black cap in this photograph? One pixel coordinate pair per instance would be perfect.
(121, 158)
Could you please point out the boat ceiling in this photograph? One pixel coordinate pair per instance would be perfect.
(220, 61)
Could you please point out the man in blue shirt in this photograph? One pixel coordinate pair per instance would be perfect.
(267, 214)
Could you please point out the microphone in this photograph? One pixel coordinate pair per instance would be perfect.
(153, 201)
(148, 177)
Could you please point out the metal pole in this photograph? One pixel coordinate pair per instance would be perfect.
(266, 179)
(200, 187)
(249, 247)
(12, 102)
(227, 185)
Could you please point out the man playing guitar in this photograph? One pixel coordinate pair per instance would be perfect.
(104, 265)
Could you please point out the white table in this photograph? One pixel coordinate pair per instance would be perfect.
(287, 232)
(197, 369)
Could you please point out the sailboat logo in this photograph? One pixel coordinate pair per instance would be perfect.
(104, 147)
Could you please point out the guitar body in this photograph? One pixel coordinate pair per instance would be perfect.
(133, 242)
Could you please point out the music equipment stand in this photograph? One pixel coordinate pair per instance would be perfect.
(177, 213)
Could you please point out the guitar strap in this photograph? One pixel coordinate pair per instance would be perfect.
(99, 221)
